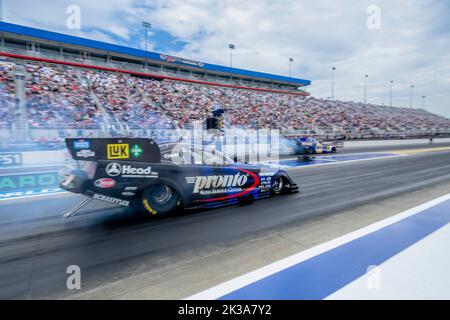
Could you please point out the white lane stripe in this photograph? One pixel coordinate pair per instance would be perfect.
(34, 195)
(253, 276)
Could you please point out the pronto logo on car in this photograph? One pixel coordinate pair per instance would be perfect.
(231, 185)
(105, 183)
(127, 171)
(118, 151)
(219, 182)
(111, 200)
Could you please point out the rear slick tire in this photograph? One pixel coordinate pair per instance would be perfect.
(159, 199)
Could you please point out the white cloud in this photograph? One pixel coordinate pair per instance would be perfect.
(412, 45)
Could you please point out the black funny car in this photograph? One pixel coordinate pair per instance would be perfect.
(159, 179)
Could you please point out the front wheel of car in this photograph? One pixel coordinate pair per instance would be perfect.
(160, 199)
(278, 185)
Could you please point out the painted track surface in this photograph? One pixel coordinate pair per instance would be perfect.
(37, 245)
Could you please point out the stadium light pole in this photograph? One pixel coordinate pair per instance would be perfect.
(290, 66)
(411, 88)
(333, 69)
(231, 47)
(146, 26)
(390, 92)
(423, 102)
(365, 88)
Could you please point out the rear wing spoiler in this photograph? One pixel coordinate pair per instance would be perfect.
(121, 149)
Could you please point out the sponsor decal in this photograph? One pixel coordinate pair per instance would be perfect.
(167, 58)
(81, 144)
(136, 151)
(32, 192)
(204, 183)
(319, 148)
(10, 159)
(169, 156)
(128, 194)
(113, 169)
(148, 207)
(105, 183)
(266, 181)
(118, 151)
(128, 171)
(264, 173)
(85, 154)
(181, 60)
(131, 188)
(217, 184)
(111, 200)
(27, 181)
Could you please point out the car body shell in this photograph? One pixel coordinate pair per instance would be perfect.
(198, 183)
(313, 146)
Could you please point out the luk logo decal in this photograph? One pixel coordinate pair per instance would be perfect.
(105, 183)
(118, 151)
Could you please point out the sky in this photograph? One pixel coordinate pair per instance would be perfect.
(407, 41)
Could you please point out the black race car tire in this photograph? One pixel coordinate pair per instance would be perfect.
(159, 200)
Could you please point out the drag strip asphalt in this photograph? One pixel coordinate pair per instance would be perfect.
(108, 243)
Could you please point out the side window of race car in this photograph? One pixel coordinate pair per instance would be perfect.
(214, 157)
(178, 156)
(185, 156)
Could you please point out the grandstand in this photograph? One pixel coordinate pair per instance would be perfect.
(54, 85)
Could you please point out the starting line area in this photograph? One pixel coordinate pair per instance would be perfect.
(19, 185)
(402, 257)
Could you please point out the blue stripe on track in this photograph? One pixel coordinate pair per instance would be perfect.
(326, 273)
(336, 158)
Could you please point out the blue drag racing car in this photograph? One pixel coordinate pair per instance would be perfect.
(160, 179)
(309, 145)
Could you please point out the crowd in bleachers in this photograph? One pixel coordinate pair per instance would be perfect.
(65, 97)
(57, 98)
(7, 94)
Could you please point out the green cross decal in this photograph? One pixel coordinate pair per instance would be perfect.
(136, 150)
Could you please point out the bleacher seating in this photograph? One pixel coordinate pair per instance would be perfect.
(66, 97)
